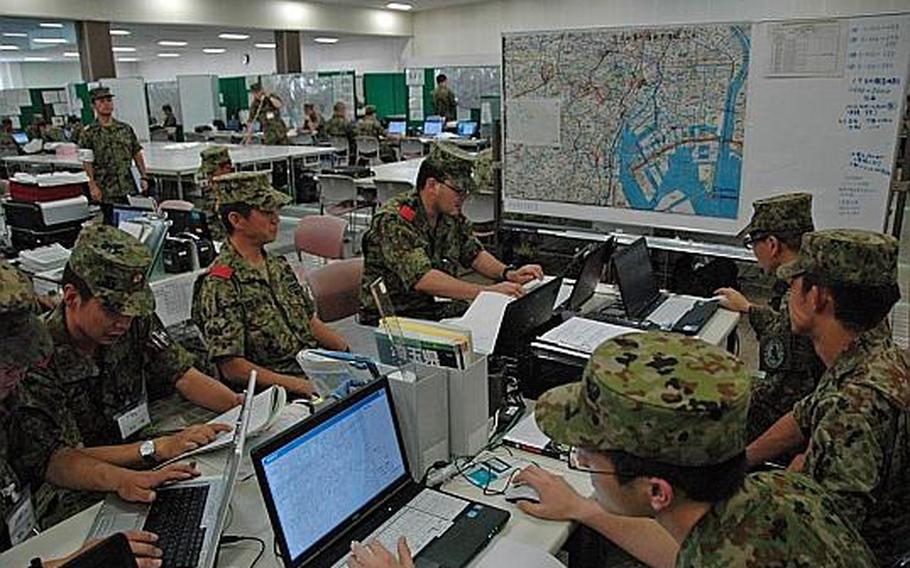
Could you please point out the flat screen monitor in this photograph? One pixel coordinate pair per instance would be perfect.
(432, 128)
(467, 128)
(20, 137)
(397, 128)
(637, 283)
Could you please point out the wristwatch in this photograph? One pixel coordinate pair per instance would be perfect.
(147, 451)
(505, 271)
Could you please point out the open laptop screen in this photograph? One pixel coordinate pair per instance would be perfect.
(637, 284)
(397, 127)
(467, 128)
(334, 469)
(590, 275)
(432, 128)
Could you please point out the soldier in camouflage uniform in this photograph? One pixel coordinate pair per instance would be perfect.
(370, 126)
(790, 367)
(250, 306)
(111, 355)
(215, 161)
(659, 422)
(854, 429)
(417, 241)
(114, 147)
(74, 129)
(8, 145)
(339, 126)
(314, 124)
(266, 108)
(444, 99)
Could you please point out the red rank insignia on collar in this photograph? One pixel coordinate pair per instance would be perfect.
(407, 213)
(222, 271)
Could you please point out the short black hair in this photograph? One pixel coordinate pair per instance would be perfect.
(427, 171)
(225, 210)
(857, 308)
(167, 108)
(441, 78)
(790, 239)
(7, 122)
(70, 277)
(709, 484)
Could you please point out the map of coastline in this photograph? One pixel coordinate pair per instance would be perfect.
(649, 118)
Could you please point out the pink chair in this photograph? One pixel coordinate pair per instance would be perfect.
(320, 235)
(336, 288)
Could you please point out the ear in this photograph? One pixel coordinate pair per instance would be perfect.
(661, 493)
(71, 298)
(821, 299)
(774, 245)
(236, 219)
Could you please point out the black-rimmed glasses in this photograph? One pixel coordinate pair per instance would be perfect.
(576, 465)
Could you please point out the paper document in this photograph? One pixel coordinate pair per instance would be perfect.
(483, 319)
(504, 551)
(582, 334)
(526, 433)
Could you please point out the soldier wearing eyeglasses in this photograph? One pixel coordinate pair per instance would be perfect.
(418, 241)
(790, 368)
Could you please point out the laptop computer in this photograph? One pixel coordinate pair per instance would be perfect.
(432, 128)
(342, 475)
(645, 306)
(467, 128)
(188, 516)
(20, 137)
(591, 272)
(397, 127)
(526, 314)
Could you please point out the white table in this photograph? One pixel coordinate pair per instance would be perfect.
(249, 517)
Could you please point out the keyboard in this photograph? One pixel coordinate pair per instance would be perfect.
(615, 313)
(176, 516)
(692, 321)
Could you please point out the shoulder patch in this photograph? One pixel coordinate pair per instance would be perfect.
(221, 271)
(407, 213)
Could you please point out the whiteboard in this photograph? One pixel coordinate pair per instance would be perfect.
(822, 112)
(198, 100)
(129, 104)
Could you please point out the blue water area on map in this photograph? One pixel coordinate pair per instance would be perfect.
(721, 198)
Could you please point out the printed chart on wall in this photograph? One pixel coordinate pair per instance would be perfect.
(681, 126)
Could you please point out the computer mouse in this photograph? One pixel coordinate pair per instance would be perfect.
(524, 492)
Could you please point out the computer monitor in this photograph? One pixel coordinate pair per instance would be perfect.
(432, 128)
(397, 127)
(116, 214)
(357, 441)
(525, 315)
(20, 137)
(467, 128)
(635, 277)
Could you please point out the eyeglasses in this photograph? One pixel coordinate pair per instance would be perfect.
(458, 191)
(575, 465)
(751, 240)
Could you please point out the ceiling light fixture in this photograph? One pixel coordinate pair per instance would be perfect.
(37, 59)
(325, 39)
(123, 49)
(265, 45)
(127, 59)
(51, 40)
(15, 34)
(168, 54)
(234, 36)
(70, 54)
(213, 50)
(7, 47)
(402, 6)
(171, 43)
(120, 32)
(50, 25)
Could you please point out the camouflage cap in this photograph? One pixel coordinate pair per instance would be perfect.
(369, 109)
(113, 264)
(212, 158)
(845, 256)
(455, 163)
(788, 213)
(655, 395)
(252, 188)
(483, 171)
(100, 93)
(23, 338)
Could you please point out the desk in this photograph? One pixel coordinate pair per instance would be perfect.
(405, 171)
(248, 516)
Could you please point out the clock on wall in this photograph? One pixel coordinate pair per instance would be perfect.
(246, 58)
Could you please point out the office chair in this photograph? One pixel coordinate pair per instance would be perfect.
(336, 288)
(387, 189)
(367, 149)
(320, 235)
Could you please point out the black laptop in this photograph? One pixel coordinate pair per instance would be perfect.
(525, 315)
(342, 475)
(595, 257)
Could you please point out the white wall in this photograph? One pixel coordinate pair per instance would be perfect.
(34, 75)
(470, 35)
(262, 62)
(363, 55)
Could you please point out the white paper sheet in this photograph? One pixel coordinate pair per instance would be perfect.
(483, 319)
(504, 551)
(527, 433)
(583, 335)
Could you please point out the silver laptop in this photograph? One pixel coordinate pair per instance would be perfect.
(188, 516)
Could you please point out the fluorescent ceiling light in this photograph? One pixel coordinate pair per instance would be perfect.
(37, 59)
(265, 45)
(404, 7)
(50, 25)
(168, 54)
(234, 36)
(123, 49)
(171, 43)
(213, 50)
(50, 40)
(70, 54)
(120, 32)
(127, 59)
(325, 39)
(6, 47)
(15, 34)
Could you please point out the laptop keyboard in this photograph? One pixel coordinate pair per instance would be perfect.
(175, 517)
(671, 310)
(693, 320)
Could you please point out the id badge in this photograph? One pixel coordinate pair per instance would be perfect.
(21, 522)
(269, 115)
(134, 419)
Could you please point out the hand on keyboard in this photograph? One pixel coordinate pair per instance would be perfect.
(139, 486)
(375, 555)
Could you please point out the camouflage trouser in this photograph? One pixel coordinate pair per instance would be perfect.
(55, 504)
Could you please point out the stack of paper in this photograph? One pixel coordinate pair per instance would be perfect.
(427, 342)
(583, 335)
(44, 258)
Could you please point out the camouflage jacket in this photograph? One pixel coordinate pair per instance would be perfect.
(338, 126)
(401, 246)
(8, 146)
(10, 483)
(317, 127)
(776, 519)
(791, 367)
(444, 103)
(370, 127)
(858, 425)
(74, 400)
(242, 313)
(113, 147)
(274, 129)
